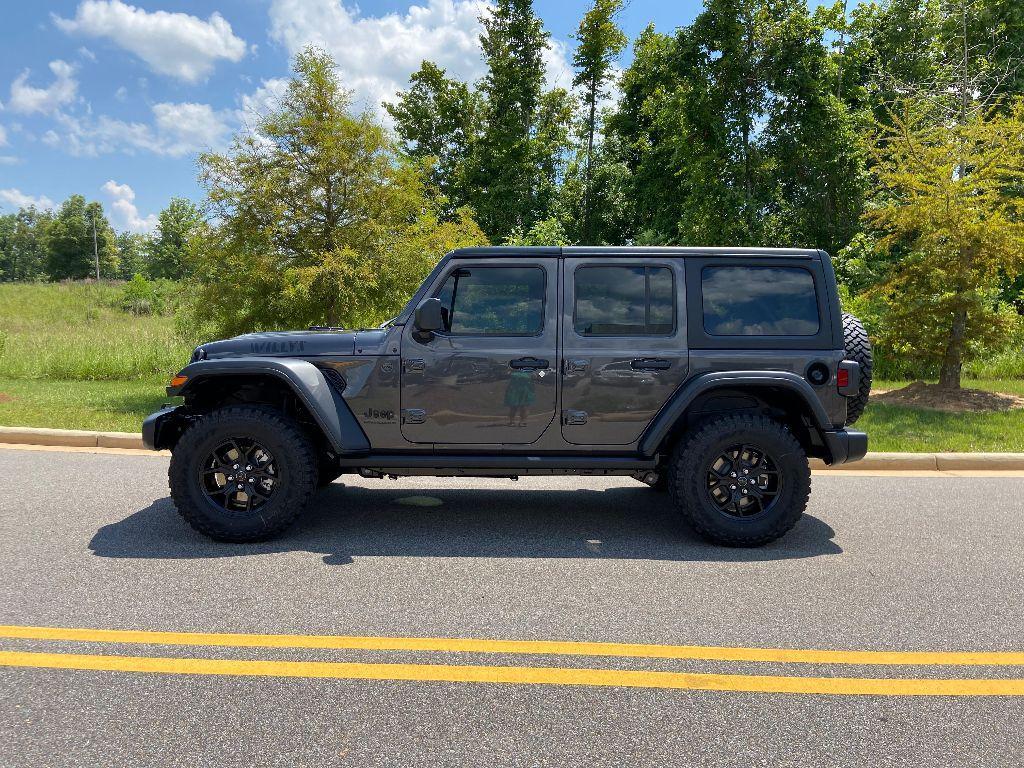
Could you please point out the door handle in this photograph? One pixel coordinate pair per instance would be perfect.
(650, 364)
(528, 364)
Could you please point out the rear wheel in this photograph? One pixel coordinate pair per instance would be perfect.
(740, 480)
(242, 473)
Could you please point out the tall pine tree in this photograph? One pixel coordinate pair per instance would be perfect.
(503, 170)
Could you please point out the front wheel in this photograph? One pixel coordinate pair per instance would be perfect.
(740, 480)
(242, 473)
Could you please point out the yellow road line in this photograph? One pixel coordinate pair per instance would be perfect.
(539, 647)
(521, 675)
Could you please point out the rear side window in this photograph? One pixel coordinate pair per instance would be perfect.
(759, 301)
(624, 301)
(494, 301)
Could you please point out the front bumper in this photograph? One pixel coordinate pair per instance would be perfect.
(162, 429)
(846, 445)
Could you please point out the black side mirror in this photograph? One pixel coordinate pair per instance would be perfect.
(428, 317)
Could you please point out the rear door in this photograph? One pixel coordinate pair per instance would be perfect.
(490, 377)
(624, 345)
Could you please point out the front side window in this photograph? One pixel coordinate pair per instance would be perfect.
(624, 301)
(759, 301)
(494, 301)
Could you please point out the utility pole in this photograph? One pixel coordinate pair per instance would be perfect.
(95, 247)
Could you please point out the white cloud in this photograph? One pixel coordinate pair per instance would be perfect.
(28, 99)
(376, 54)
(121, 94)
(261, 101)
(177, 130)
(3, 136)
(185, 128)
(85, 53)
(174, 44)
(9, 160)
(123, 211)
(15, 198)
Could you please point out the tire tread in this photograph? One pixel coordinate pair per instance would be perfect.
(685, 477)
(303, 480)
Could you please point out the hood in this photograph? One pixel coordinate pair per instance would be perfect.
(328, 343)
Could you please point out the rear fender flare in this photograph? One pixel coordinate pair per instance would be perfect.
(684, 397)
(326, 405)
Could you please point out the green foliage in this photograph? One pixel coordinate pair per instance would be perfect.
(76, 230)
(140, 296)
(78, 331)
(132, 254)
(518, 156)
(941, 188)
(176, 225)
(23, 244)
(600, 42)
(732, 132)
(544, 232)
(317, 219)
(438, 119)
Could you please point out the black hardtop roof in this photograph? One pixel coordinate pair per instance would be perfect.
(538, 251)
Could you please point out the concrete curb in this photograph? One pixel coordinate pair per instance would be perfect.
(70, 438)
(999, 462)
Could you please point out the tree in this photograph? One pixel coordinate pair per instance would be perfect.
(175, 225)
(439, 119)
(316, 218)
(28, 244)
(600, 43)
(503, 171)
(132, 255)
(943, 189)
(77, 229)
(732, 134)
(8, 225)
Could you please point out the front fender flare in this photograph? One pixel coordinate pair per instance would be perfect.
(325, 404)
(659, 428)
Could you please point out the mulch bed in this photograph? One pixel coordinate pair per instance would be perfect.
(922, 395)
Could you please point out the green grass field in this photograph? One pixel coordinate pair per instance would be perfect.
(71, 358)
(77, 332)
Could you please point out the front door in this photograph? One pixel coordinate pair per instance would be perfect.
(624, 342)
(488, 378)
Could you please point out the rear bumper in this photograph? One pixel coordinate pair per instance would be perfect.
(162, 429)
(846, 445)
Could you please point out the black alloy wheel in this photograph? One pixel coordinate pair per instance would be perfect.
(239, 476)
(242, 473)
(744, 481)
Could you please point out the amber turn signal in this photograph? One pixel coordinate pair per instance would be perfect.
(177, 381)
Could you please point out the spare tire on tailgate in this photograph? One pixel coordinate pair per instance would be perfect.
(858, 349)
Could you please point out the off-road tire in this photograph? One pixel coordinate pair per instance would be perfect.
(688, 479)
(292, 451)
(858, 349)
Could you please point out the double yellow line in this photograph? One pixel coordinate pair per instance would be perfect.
(517, 674)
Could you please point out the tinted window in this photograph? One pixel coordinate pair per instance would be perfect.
(759, 301)
(624, 301)
(497, 301)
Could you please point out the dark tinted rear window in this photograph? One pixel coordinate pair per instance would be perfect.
(624, 301)
(759, 301)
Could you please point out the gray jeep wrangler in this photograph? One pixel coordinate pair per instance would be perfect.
(712, 373)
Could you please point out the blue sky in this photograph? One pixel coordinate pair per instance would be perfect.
(113, 100)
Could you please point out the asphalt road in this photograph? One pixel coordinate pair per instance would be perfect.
(897, 564)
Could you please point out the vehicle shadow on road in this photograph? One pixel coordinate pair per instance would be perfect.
(348, 522)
